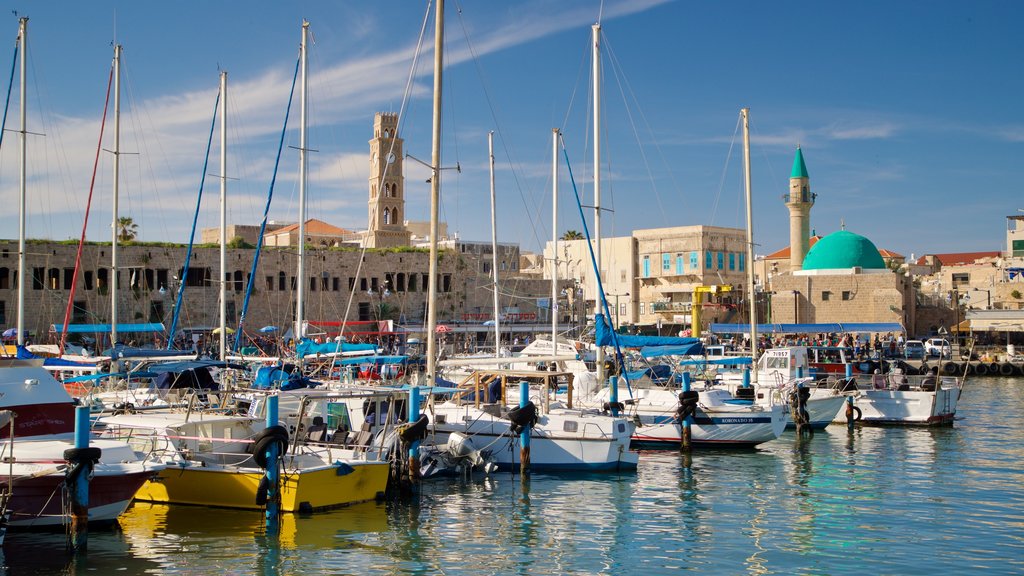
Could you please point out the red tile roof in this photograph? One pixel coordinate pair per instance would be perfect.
(959, 258)
(315, 227)
(784, 253)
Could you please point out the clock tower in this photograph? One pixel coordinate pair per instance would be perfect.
(386, 226)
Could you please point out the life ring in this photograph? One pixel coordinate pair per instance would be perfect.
(265, 439)
(415, 431)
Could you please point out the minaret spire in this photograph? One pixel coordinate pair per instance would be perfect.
(799, 201)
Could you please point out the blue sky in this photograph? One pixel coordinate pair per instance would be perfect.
(907, 113)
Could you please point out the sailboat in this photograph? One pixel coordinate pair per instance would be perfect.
(560, 439)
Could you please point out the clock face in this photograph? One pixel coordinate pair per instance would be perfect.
(391, 158)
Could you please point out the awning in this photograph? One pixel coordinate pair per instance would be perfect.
(833, 327)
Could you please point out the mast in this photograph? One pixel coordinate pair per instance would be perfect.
(494, 250)
(223, 212)
(435, 195)
(23, 38)
(554, 241)
(300, 311)
(115, 221)
(752, 304)
(597, 181)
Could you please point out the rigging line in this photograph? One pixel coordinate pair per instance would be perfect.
(192, 236)
(764, 155)
(85, 224)
(597, 271)
(370, 228)
(266, 210)
(527, 203)
(721, 181)
(616, 67)
(10, 85)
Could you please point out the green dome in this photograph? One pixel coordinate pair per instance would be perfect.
(841, 250)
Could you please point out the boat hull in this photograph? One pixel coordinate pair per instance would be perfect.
(301, 491)
(37, 502)
(710, 429)
(907, 407)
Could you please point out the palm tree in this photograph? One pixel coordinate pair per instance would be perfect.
(127, 229)
(572, 235)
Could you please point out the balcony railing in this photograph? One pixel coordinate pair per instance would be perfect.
(671, 306)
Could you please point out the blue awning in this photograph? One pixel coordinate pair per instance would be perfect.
(679, 350)
(103, 328)
(834, 327)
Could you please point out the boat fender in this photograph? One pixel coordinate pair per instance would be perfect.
(687, 404)
(608, 406)
(523, 417)
(949, 368)
(343, 469)
(414, 431)
(124, 408)
(1006, 369)
(857, 414)
(82, 455)
(266, 438)
(262, 490)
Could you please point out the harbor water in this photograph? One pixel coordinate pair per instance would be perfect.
(874, 501)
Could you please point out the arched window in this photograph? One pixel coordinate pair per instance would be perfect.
(238, 280)
(281, 281)
(394, 216)
(5, 282)
(387, 216)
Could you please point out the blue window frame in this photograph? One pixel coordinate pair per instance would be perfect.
(679, 263)
(694, 261)
(666, 262)
(732, 261)
(708, 261)
(721, 260)
(647, 266)
(743, 258)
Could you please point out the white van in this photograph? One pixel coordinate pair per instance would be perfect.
(938, 347)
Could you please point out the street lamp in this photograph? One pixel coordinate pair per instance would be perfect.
(616, 296)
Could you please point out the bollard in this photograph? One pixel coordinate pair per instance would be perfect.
(746, 377)
(613, 395)
(849, 370)
(81, 460)
(524, 435)
(688, 420)
(799, 371)
(272, 473)
(414, 446)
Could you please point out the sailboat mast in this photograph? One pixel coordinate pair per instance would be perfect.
(554, 242)
(117, 181)
(435, 195)
(223, 212)
(597, 181)
(751, 303)
(494, 249)
(300, 311)
(23, 38)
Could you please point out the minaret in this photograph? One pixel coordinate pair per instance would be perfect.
(799, 201)
(386, 225)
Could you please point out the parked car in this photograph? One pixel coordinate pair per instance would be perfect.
(938, 347)
(913, 349)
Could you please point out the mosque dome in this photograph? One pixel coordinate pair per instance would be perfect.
(842, 250)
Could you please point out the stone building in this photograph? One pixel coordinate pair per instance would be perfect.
(386, 224)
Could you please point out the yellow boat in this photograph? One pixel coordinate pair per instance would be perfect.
(209, 462)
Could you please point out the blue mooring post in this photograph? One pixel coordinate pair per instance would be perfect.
(78, 476)
(524, 436)
(689, 419)
(849, 413)
(414, 446)
(613, 395)
(273, 474)
(849, 370)
(746, 377)
(799, 371)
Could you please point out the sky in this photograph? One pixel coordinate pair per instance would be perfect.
(907, 114)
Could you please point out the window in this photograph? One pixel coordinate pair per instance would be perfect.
(37, 278)
(335, 284)
(707, 261)
(88, 279)
(721, 260)
(666, 262)
(270, 283)
(362, 285)
(825, 295)
(642, 311)
(1018, 248)
(647, 267)
(743, 258)
(5, 282)
(570, 426)
(679, 263)
(281, 281)
(387, 216)
(622, 308)
(53, 279)
(69, 278)
(156, 311)
(3, 310)
(238, 281)
(446, 283)
(847, 295)
(80, 313)
(961, 278)
(412, 282)
(732, 261)
(694, 261)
